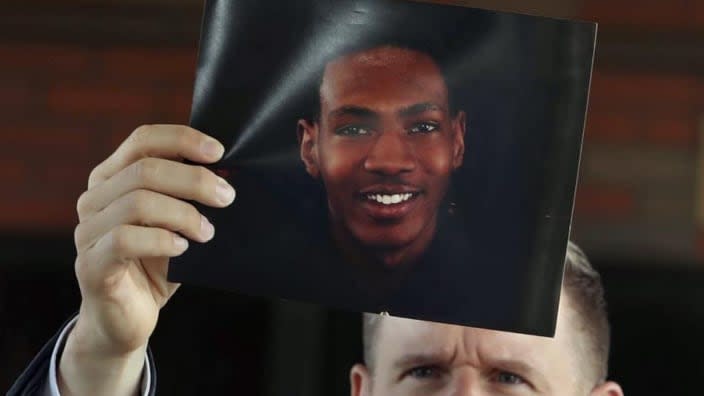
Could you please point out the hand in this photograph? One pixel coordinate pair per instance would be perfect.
(132, 219)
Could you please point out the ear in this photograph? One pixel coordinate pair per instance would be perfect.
(608, 388)
(458, 129)
(307, 137)
(360, 381)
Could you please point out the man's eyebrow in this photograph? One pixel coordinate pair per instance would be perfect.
(356, 111)
(419, 359)
(419, 108)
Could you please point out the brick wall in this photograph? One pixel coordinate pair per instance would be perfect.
(641, 146)
(65, 106)
(636, 196)
(647, 14)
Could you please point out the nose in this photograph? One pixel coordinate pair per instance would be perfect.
(466, 383)
(390, 154)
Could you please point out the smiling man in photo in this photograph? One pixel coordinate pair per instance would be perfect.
(384, 144)
(427, 139)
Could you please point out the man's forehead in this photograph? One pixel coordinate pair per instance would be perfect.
(398, 337)
(416, 335)
(406, 335)
(381, 56)
(386, 71)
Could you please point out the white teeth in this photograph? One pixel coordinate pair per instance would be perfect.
(387, 199)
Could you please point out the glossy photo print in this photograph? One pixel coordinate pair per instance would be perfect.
(392, 156)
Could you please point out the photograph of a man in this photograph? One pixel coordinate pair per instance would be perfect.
(387, 152)
(384, 144)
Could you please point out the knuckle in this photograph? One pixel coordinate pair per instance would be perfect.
(82, 206)
(140, 133)
(186, 137)
(139, 204)
(164, 241)
(191, 218)
(79, 236)
(94, 176)
(145, 171)
(203, 180)
(120, 239)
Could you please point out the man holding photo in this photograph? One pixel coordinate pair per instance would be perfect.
(123, 251)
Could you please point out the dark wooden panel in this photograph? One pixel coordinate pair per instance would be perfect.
(98, 25)
(622, 48)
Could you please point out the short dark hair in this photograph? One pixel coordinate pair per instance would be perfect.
(359, 49)
(405, 26)
(582, 284)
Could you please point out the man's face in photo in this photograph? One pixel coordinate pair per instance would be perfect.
(385, 145)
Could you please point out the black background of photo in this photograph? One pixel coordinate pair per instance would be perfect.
(522, 80)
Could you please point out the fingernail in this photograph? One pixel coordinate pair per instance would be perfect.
(207, 231)
(224, 192)
(212, 148)
(180, 243)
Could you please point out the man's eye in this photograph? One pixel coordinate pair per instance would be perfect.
(424, 372)
(353, 130)
(424, 127)
(507, 378)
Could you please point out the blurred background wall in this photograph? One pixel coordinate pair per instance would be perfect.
(77, 76)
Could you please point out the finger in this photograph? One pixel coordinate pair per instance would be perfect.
(171, 178)
(126, 244)
(164, 141)
(145, 208)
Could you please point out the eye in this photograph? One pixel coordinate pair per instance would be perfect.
(424, 372)
(508, 378)
(424, 127)
(353, 130)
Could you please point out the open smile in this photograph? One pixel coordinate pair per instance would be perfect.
(390, 199)
(389, 202)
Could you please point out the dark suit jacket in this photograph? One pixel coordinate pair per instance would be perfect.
(32, 380)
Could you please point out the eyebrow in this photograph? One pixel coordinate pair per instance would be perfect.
(357, 111)
(513, 365)
(419, 108)
(365, 112)
(420, 359)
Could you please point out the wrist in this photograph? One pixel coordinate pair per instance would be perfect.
(88, 366)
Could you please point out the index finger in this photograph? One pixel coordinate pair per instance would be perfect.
(175, 142)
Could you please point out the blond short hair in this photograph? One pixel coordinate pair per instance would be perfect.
(582, 285)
